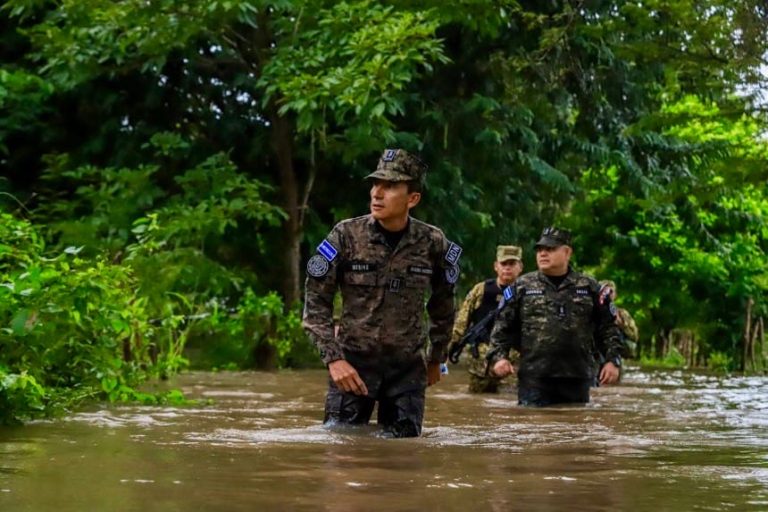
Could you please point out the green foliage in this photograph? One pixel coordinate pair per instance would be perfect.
(65, 325)
(720, 362)
(673, 359)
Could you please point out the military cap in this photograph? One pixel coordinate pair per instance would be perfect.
(554, 237)
(399, 165)
(509, 252)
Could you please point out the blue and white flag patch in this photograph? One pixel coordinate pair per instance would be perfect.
(453, 254)
(509, 293)
(328, 251)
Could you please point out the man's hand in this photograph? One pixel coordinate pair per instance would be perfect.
(502, 368)
(346, 377)
(609, 374)
(433, 373)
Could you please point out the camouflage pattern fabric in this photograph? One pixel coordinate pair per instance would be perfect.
(383, 291)
(555, 329)
(629, 331)
(399, 165)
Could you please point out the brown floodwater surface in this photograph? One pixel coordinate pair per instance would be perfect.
(660, 441)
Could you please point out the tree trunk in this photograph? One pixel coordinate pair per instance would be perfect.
(282, 144)
(745, 359)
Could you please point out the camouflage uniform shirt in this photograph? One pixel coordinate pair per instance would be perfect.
(384, 291)
(555, 329)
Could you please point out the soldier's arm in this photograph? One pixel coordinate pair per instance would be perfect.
(470, 304)
(440, 307)
(321, 284)
(504, 335)
(629, 326)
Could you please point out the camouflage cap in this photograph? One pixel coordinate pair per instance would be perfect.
(399, 165)
(554, 237)
(509, 252)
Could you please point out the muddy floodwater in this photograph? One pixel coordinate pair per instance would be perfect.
(662, 440)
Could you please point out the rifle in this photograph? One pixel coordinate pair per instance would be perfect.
(478, 333)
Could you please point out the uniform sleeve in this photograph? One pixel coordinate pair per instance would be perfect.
(320, 285)
(504, 335)
(470, 304)
(607, 334)
(440, 307)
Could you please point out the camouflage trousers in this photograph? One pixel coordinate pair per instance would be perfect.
(480, 379)
(399, 391)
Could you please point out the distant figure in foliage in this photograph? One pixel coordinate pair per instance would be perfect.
(627, 326)
(388, 267)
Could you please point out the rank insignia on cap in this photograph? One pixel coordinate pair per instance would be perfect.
(389, 155)
(453, 254)
(328, 251)
(452, 274)
(317, 266)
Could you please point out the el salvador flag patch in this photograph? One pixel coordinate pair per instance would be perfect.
(328, 251)
(509, 293)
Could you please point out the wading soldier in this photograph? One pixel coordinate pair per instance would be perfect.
(388, 267)
(553, 318)
(481, 300)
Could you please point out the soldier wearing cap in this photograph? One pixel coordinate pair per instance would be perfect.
(388, 268)
(553, 317)
(483, 298)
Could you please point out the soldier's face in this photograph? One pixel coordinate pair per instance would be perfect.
(390, 200)
(553, 261)
(508, 271)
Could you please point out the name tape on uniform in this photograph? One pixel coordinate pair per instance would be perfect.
(534, 292)
(424, 271)
(328, 251)
(582, 291)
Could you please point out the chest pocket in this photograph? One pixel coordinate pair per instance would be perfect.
(360, 278)
(419, 282)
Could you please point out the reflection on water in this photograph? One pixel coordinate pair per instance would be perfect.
(659, 441)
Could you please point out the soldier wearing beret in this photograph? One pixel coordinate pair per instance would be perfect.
(483, 298)
(389, 268)
(553, 318)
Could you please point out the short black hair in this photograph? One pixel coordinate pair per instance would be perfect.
(414, 186)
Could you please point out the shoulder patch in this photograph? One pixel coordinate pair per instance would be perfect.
(328, 251)
(453, 254)
(509, 293)
(317, 266)
(452, 274)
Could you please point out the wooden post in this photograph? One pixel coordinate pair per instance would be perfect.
(747, 336)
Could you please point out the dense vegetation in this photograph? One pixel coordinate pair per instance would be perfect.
(166, 168)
